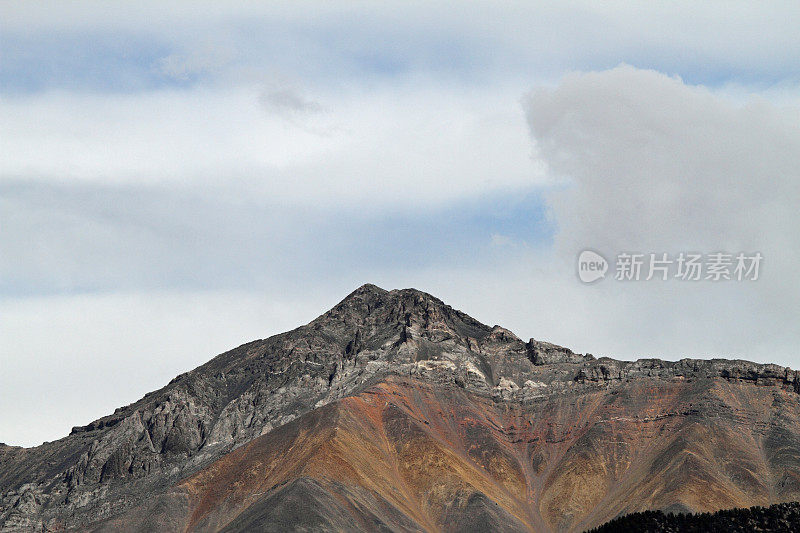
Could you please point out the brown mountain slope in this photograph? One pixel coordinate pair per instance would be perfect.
(407, 456)
(395, 411)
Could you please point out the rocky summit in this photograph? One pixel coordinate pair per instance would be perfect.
(395, 412)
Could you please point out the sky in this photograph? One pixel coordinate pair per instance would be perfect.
(179, 178)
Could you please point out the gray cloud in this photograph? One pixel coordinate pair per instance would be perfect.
(656, 163)
(650, 164)
(288, 100)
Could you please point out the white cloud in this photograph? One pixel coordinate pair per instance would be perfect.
(425, 144)
(654, 165)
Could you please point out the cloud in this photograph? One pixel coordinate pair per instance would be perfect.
(656, 164)
(651, 164)
(425, 144)
(206, 58)
(288, 100)
(73, 238)
(336, 43)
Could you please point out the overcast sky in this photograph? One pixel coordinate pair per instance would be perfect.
(179, 178)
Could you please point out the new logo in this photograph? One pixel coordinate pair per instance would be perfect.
(591, 266)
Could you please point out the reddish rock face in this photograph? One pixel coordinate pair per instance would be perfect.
(404, 455)
(395, 412)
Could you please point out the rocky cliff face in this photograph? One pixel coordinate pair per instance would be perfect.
(394, 411)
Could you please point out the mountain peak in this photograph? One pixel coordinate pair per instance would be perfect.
(367, 288)
(375, 308)
(367, 293)
(357, 305)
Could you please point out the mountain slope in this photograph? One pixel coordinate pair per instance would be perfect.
(407, 455)
(393, 411)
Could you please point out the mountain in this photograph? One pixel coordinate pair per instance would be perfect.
(395, 412)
